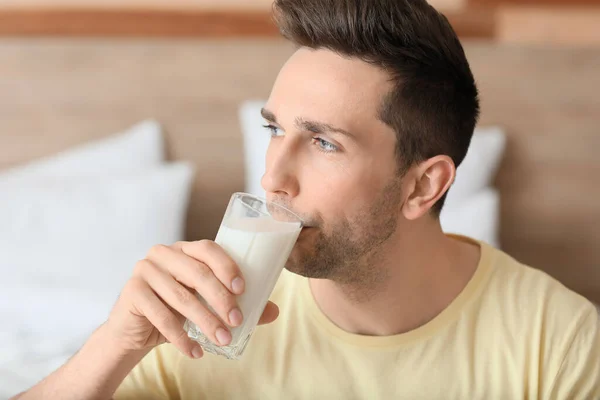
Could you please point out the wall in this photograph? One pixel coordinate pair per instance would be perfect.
(561, 22)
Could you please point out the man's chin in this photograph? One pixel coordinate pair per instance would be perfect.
(305, 258)
(294, 263)
(302, 251)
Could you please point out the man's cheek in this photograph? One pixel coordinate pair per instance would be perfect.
(337, 184)
(331, 169)
(330, 186)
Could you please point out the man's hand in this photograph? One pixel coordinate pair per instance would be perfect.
(151, 310)
(162, 294)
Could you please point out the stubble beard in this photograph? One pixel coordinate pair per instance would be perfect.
(351, 252)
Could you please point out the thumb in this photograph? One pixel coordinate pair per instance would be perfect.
(270, 314)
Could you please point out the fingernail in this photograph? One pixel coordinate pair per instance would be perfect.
(235, 317)
(237, 285)
(197, 352)
(223, 336)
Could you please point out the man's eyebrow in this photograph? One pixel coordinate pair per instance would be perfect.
(320, 127)
(308, 125)
(268, 115)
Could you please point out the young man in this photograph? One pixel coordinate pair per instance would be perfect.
(369, 119)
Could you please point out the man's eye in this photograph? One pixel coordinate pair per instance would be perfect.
(324, 145)
(273, 130)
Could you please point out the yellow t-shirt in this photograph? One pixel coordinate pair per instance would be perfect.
(512, 333)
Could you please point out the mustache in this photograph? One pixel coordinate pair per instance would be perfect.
(308, 220)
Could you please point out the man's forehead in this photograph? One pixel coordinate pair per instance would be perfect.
(320, 84)
(326, 70)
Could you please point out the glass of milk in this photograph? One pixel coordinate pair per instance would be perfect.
(259, 236)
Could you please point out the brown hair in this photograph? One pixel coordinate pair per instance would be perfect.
(434, 105)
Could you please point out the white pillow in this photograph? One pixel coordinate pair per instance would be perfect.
(138, 147)
(478, 169)
(81, 219)
(476, 217)
(256, 141)
(67, 246)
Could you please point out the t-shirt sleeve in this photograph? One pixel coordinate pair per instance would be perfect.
(153, 378)
(579, 373)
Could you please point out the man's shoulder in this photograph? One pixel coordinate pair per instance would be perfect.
(533, 297)
(523, 281)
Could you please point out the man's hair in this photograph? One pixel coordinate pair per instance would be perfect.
(434, 105)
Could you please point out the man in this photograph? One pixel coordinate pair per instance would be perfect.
(369, 120)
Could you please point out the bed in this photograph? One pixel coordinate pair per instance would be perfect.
(64, 92)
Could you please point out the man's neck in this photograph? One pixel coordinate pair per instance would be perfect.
(425, 271)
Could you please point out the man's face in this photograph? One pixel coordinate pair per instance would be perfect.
(332, 161)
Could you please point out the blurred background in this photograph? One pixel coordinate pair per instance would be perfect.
(571, 22)
(129, 123)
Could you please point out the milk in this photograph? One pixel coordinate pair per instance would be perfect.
(260, 247)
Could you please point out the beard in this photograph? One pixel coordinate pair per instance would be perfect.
(348, 251)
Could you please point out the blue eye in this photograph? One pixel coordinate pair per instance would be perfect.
(324, 145)
(273, 130)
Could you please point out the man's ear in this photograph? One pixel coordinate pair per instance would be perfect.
(432, 178)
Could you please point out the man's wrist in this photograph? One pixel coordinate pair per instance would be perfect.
(111, 363)
(95, 372)
(113, 349)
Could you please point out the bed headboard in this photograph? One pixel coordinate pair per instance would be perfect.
(60, 92)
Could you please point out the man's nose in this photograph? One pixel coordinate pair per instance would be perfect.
(281, 176)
